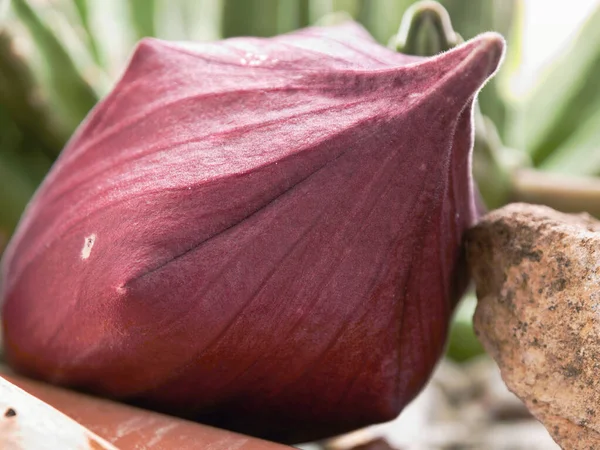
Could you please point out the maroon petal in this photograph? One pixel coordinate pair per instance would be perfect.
(259, 233)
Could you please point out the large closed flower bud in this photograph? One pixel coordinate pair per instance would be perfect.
(262, 234)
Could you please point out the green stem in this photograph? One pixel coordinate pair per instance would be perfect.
(426, 30)
(561, 192)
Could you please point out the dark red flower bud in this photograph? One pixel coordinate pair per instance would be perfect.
(263, 234)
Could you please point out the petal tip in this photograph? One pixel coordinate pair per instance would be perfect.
(472, 63)
(494, 45)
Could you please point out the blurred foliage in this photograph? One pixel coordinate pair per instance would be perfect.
(562, 131)
(463, 343)
(58, 57)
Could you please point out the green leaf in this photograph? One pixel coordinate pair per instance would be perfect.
(480, 16)
(351, 7)
(317, 9)
(566, 96)
(22, 167)
(20, 97)
(463, 343)
(189, 20)
(304, 13)
(142, 17)
(382, 17)
(16, 193)
(250, 18)
(271, 17)
(73, 96)
(580, 153)
(292, 15)
(81, 6)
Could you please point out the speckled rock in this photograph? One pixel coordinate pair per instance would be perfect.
(537, 273)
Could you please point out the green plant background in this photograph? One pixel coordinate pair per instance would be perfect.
(59, 57)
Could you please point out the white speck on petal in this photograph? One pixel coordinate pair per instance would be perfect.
(88, 243)
(253, 59)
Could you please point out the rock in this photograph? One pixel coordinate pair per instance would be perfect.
(537, 273)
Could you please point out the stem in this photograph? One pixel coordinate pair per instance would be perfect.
(561, 192)
(426, 30)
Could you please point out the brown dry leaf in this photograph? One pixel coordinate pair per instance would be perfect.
(28, 423)
(124, 426)
(538, 283)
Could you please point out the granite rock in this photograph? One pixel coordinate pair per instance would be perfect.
(537, 273)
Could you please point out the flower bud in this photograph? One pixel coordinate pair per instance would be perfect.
(262, 234)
